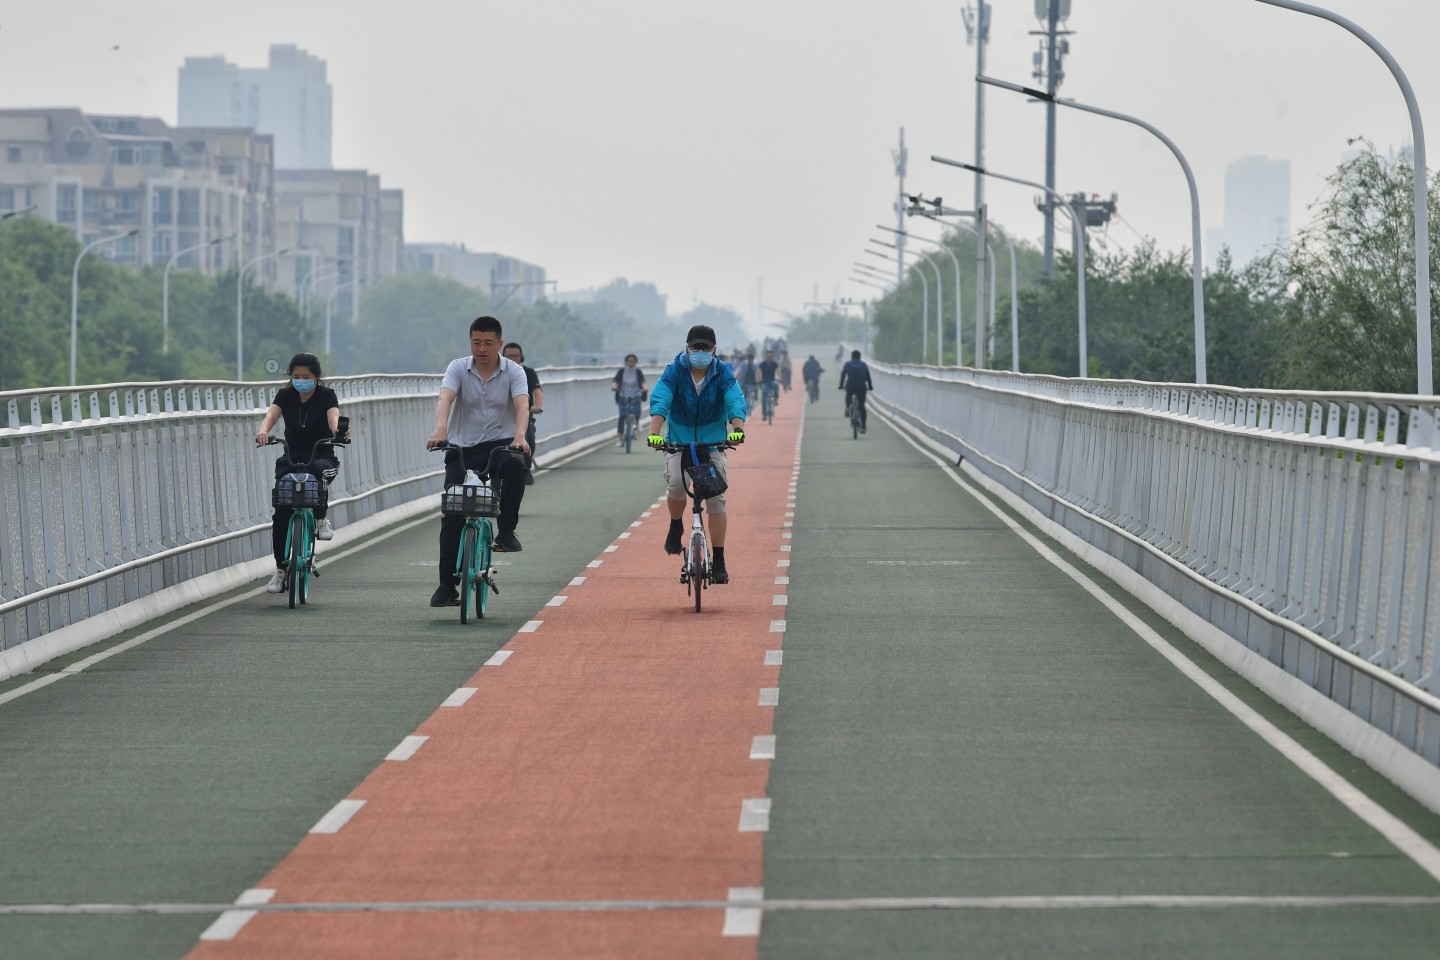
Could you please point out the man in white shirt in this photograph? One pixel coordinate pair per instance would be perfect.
(484, 405)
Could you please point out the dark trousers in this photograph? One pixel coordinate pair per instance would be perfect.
(322, 469)
(857, 396)
(511, 474)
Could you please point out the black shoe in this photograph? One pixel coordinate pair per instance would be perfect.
(672, 542)
(507, 542)
(445, 595)
(718, 573)
(529, 478)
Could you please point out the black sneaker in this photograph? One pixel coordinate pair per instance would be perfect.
(672, 542)
(529, 478)
(718, 573)
(507, 542)
(445, 595)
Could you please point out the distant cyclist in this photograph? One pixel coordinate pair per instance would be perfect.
(766, 371)
(785, 370)
(855, 381)
(811, 373)
(312, 413)
(694, 400)
(629, 386)
(516, 354)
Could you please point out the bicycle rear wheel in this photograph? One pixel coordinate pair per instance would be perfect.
(699, 568)
(296, 560)
(629, 433)
(855, 424)
(485, 561)
(467, 571)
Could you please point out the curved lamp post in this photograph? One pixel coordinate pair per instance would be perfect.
(75, 292)
(1425, 383)
(1197, 277)
(240, 310)
(956, 262)
(329, 301)
(1079, 239)
(943, 211)
(165, 289)
(939, 292)
(924, 297)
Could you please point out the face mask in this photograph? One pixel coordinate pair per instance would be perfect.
(700, 359)
(304, 386)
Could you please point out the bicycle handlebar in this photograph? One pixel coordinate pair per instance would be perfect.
(331, 442)
(677, 447)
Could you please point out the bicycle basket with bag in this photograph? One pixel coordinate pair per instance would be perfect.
(471, 500)
(296, 490)
(704, 476)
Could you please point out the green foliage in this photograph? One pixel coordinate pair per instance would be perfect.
(641, 301)
(825, 326)
(728, 325)
(416, 323)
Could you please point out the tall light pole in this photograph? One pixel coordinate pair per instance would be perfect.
(75, 292)
(329, 301)
(959, 360)
(309, 281)
(240, 310)
(1075, 222)
(1197, 276)
(939, 294)
(977, 27)
(165, 290)
(1425, 383)
(924, 300)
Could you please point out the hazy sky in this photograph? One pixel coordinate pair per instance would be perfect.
(701, 146)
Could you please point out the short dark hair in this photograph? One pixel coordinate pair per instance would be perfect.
(305, 360)
(486, 325)
(631, 356)
(516, 345)
(854, 354)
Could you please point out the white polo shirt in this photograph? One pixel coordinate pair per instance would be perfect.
(483, 410)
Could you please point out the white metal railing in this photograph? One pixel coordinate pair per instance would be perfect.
(113, 492)
(1310, 514)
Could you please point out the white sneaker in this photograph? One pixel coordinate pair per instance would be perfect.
(277, 583)
(620, 444)
(323, 530)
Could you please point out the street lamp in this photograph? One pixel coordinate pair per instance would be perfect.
(75, 291)
(939, 296)
(240, 310)
(959, 360)
(899, 258)
(329, 300)
(306, 285)
(1425, 385)
(1075, 223)
(15, 213)
(1197, 277)
(165, 290)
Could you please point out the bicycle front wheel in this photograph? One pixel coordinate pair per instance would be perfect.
(468, 550)
(699, 568)
(629, 433)
(296, 560)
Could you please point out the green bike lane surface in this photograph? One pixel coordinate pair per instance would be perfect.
(958, 718)
(182, 770)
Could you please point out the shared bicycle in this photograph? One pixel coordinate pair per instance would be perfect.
(769, 393)
(630, 410)
(477, 499)
(854, 411)
(696, 558)
(302, 493)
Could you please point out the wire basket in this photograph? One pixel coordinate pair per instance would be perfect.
(296, 490)
(471, 500)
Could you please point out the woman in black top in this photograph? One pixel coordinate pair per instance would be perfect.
(312, 413)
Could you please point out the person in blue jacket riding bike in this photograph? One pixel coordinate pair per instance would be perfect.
(697, 400)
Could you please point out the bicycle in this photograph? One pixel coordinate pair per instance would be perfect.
(696, 560)
(813, 386)
(630, 409)
(768, 396)
(302, 493)
(477, 499)
(854, 411)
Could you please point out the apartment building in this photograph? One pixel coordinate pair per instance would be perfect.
(505, 277)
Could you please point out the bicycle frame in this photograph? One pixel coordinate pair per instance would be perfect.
(695, 568)
(474, 561)
(300, 557)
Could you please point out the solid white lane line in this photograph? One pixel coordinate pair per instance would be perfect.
(556, 601)
(773, 658)
(777, 626)
(407, 748)
(755, 815)
(498, 657)
(762, 748)
(769, 696)
(1405, 839)
(530, 626)
(459, 698)
(576, 581)
(229, 923)
(743, 921)
(338, 816)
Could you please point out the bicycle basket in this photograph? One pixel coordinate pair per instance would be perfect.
(471, 500)
(706, 479)
(297, 490)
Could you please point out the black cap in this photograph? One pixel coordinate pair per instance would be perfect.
(700, 333)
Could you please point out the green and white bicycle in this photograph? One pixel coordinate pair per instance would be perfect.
(302, 492)
(477, 499)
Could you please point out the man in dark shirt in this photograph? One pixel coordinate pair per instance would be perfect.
(855, 381)
(516, 354)
(766, 371)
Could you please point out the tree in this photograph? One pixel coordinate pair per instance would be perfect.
(728, 325)
(416, 323)
(642, 301)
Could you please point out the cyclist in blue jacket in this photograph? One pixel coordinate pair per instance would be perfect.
(697, 400)
(855, 381)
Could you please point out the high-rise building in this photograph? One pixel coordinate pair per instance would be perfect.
(505, 277)
(1257, 208)
(290, 99)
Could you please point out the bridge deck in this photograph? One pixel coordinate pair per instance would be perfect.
(962, 730)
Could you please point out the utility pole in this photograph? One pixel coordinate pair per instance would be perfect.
(901, 158)
(977, 28)
(1052, 55)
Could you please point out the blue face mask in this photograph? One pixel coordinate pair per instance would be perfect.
(700, 359)
(304, 386)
